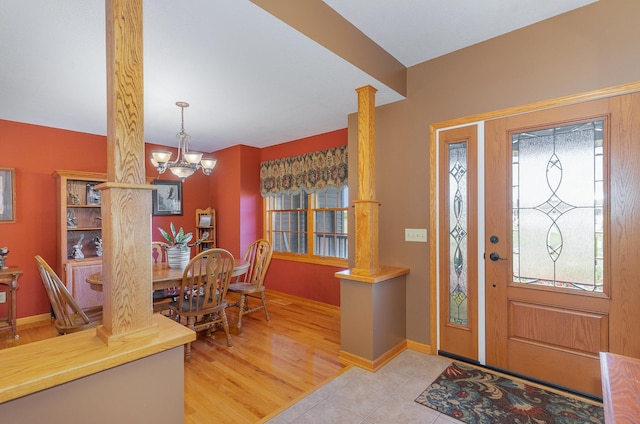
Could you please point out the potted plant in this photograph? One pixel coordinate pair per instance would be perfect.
(179, 250)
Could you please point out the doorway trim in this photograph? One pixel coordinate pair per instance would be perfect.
(433, 181)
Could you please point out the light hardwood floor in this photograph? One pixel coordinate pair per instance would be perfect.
(270, 365)
(286, 371)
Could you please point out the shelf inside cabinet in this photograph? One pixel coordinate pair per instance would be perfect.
(79, 228)
(206, 227)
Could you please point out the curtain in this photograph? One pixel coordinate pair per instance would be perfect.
(309, 172)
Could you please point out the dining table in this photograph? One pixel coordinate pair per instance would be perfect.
(165, 277)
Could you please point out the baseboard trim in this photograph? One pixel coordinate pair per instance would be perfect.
(294, 298)
(376, 364)
(33, 318)
(419, 347)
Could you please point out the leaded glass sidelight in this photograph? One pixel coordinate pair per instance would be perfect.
(458, 276)
(558, 207)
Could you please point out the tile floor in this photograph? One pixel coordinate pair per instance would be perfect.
(359, 396)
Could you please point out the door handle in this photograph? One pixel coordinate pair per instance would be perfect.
(494, 256)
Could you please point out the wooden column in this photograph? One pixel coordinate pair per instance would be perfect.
(372, 297)
(37, 379)
(126, 199)
(366, 207)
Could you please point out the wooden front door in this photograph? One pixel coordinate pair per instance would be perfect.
(561, 240)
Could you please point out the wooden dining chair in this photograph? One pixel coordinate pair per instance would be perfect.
(202, 303)
(161, 298)
(251, 284)
(158, 252)
(69, 316)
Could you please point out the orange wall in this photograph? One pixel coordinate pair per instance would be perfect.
(233, 190)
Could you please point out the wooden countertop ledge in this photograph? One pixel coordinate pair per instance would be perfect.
(36, 366)
(385, 273)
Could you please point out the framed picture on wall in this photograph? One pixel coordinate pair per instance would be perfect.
(7, 195)
(167, 199)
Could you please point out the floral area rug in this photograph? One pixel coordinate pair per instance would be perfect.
(474, 395)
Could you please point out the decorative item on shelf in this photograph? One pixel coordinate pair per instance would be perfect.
(76, 252)
(74, 199)
(187, 162)
(205, 221)
(179, 250)
(93, 195)
(4, 251)
(72, 221)
(97, 242)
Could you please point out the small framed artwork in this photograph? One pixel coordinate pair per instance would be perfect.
(167, 199)
(7, 195)
(205, 221)
(93, 195)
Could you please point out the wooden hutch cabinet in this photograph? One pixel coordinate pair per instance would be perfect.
(79, 232)
(205, 224)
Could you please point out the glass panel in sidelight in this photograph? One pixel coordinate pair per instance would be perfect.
(458, 253)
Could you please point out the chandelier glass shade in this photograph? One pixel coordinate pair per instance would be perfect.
(187, 162)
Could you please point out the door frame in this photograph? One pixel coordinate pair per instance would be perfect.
(433, 178)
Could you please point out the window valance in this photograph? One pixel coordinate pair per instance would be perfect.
(309, 172)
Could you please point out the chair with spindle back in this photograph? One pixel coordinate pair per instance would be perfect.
(69, 316)
(161, 298)
(203, 293)
(251, 284)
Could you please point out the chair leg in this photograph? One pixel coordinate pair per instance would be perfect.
(264, 305)
(187, 352)
(225, 325)
(187, 348)
(243, 304)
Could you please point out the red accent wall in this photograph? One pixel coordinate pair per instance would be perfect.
(35, 152)
(251, 218)
(226, 192)
(311, 281)
(305, 145)
(236, 188)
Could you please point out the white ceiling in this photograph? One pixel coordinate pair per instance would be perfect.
(250, 78)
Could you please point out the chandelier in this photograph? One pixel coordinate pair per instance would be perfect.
(187, 162)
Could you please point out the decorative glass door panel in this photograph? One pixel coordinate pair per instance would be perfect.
(557, 186)
(458, 257)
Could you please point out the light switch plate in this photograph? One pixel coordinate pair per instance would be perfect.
(415, 234)
(3, 297)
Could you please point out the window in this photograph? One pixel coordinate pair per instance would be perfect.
(305, 204)
(287, 222)
(309, 227)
